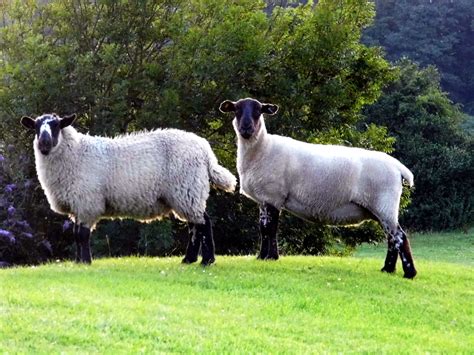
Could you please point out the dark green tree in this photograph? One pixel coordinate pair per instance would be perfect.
(129, 65)
(430, 141)
(438, 32)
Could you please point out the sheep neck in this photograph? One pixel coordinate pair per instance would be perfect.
(250, 150)
(61, 161)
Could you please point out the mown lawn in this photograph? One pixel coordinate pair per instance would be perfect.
(241, 305)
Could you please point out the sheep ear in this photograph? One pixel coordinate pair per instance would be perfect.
(269, 109)
(28, 122)
(67, 120)
(227, 106)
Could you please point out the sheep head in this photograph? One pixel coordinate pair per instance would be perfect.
(48, 128)
(248, 115)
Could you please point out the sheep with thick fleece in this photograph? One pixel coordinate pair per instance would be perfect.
(326, 183)
(144, 176)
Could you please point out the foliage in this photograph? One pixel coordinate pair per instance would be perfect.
(242, 305)
(431, 142)
(127, 65)
(19, 242)
(438, 32)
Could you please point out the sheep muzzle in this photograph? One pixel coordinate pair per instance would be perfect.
(45, 143)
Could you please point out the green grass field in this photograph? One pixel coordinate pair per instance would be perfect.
(242, 305)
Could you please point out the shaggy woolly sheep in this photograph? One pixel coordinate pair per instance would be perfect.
(327, 183)
(143, 176)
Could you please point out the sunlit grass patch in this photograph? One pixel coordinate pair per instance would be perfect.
(297, 304)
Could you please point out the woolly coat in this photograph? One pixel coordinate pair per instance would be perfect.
(327, 183)
(143, 175)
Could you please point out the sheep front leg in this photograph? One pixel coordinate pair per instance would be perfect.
(77, 239)
(194, 243)
(84, 237)
(269, 216)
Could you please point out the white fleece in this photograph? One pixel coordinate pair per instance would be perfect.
(328, 183)
(142, 175)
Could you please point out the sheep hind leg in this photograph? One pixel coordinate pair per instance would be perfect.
(398, 243)
(208, 247)
(269, 216)
(200, 238)
(406, 255)
(392, 249)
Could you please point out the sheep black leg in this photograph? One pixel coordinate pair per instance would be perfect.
(264, 239)
(77, 239)
(391, 258)
(406, 256)
(392, 250)
(208, 247)
(84, 236)
(194, 244)
(269, 216)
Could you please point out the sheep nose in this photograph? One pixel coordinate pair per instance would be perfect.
(246, 133)
(45, 143)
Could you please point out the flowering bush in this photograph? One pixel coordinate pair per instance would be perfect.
(19, 243)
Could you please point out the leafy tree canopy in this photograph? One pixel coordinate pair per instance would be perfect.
(438, 32)
(431, 142)
(129, 65)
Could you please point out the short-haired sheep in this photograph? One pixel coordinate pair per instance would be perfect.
(326, 183)
(145, 176)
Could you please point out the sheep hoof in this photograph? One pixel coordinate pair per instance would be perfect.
(388, 270)
(272, 257)
(410, 274)
(208, 262)
(188, 261)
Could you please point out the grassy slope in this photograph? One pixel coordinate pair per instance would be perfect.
(447, 247)
(297, 304)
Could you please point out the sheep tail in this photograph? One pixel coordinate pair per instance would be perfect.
(407, 175)
(221, 177)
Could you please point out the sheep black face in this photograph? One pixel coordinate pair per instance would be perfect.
(48, 128)
(247, 114)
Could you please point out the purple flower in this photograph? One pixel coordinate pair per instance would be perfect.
(11, 210)
(27, 183)
(7, 234)
(2, 158)
(66, 225)
(10, 187)
(23, 224)
(28, 235)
